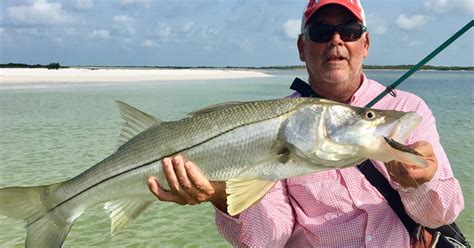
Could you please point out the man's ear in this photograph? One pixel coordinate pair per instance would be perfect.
(366, 45)
(300, 44)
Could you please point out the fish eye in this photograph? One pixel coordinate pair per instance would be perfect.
(370, 115)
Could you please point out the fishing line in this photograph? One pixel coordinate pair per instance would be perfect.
(417, 184)
(390, 88)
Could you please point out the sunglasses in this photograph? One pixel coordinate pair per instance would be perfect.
(320, 32)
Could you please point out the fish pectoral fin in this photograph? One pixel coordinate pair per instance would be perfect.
(135, 122)
(214, 107)
(242, 194)
(121, 212)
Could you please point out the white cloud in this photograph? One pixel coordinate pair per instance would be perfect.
(164, 30)
(292, 28)
(100, 34)
(126, 23)
(145, 3)
(123, 19)
(188, 26)
(29, 31)
(148, 43)
(414, 43)
(413, 22)
(39, 12)
(445, 6)
(58, 40)
(377, 25)
(84, 4)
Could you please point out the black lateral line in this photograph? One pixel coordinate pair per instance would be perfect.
(156, 160)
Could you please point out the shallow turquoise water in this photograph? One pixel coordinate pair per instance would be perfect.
(50, 134)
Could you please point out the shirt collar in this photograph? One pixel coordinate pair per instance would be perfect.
(363, 89)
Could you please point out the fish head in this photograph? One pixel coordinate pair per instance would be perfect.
(366, 128)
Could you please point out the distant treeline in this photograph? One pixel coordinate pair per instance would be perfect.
(291, 67)
(19, 65)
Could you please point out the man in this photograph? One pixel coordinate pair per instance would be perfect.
(336, 208)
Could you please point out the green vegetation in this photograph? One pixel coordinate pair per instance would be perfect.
(290, 67)
(20, 65)
(53, 66)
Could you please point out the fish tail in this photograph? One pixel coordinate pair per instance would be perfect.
(47, 226)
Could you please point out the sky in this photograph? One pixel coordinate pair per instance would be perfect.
(217, 32)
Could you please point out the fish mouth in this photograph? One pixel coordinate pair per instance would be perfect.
(404, 127)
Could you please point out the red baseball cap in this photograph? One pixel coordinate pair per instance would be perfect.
(353, 6)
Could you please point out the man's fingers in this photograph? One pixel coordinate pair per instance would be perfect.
(423, 147)
(160, 193)
(187, 183)
(176, 193)
(186, 188)
(170, 175)
(181, 174)
(199, 181)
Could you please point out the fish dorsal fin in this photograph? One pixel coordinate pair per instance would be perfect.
(136, 121)
(123, 211)
(245, 193)
(214, 107)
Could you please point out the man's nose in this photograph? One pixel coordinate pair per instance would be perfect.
(336, 40)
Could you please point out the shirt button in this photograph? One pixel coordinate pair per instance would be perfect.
(368, 237)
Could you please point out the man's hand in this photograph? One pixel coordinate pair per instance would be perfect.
(187, 184)
(409, 175)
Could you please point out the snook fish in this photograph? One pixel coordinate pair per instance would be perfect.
(249, 145)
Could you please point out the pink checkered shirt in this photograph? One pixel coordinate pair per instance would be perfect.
(340, 208)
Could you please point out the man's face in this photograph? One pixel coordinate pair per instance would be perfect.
(335, 61)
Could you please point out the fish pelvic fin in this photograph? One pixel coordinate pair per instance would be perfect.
(135, 122)
(45, 227)
(123, 211)
(243, 194)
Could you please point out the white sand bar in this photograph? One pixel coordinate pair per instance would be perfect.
(16, 76)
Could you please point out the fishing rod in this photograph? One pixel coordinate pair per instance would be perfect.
(421, 63)
(369, 170)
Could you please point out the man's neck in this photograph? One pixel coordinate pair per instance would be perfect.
(341, 92)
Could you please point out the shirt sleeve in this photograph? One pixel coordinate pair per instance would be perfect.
(439, 201)
(269, 223)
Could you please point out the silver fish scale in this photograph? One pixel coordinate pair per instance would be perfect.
(270, 140)
(169, 138)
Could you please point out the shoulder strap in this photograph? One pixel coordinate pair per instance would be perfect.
(391, 195)
(303, 88)
(368, 169)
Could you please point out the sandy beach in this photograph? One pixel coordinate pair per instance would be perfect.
(21, 76)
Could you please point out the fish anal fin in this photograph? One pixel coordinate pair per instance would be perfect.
(121, 212)
(243, 194)
(135, 122)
